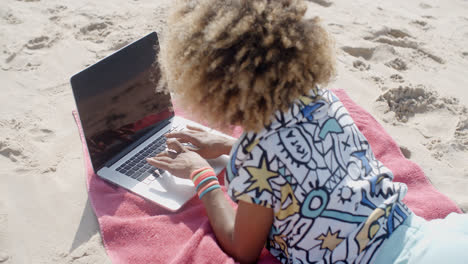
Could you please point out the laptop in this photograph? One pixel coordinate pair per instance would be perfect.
(124, 120)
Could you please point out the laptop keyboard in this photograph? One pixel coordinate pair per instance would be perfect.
(138, 168)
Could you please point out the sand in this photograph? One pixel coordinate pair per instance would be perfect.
(406, 62)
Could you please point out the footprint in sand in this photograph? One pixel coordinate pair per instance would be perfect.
(397, 64)
(360, 65)
(377, 53)
(379, 81)
(95, 31)
(22, 58)
(10, 152)
(10, 18)
(421, 24)
(443, 145)
(394, 37)
(57, 9)
(425, 6)
(401, 39)
(39, 43)
(389, 32)
(397, 78)
(55, 12)
(325, 3)
(41, 135)
(12, 124)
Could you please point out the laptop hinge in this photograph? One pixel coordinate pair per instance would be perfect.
(129, 148)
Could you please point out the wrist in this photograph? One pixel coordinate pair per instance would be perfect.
(207, 188)
(226, 145)
(211, 195)
(194, 171)
(198, 165)
(205, 181)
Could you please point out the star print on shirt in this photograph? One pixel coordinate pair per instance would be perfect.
(330, 240)
(260, 176)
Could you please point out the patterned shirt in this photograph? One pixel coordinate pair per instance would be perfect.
(334, 202)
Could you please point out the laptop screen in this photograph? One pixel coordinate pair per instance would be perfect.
(117, 99)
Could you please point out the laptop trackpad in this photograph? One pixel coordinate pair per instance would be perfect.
(168, 184)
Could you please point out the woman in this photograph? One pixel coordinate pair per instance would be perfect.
(305, 179)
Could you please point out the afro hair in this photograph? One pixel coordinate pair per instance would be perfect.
(236, 62)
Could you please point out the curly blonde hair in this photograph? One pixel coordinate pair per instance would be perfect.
(238, 61)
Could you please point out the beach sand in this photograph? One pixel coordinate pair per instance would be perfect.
(406, 62)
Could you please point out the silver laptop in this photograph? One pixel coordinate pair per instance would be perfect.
(124, 121)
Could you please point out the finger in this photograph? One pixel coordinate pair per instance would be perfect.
(158, 163)
(164, 159)
(172, 153)
(192, 149)
(183, 140)
(195, 128)
(188, 143)
(162, 154)
(175, 145)
(167, 153)
(182, 134)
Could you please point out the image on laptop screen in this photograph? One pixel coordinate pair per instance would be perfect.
(117, 99)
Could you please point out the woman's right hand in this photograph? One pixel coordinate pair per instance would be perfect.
(206, 144)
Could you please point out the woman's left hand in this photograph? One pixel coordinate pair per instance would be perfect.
(178, 160)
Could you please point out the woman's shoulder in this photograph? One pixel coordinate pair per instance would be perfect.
(291, 135)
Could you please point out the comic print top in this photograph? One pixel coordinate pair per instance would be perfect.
(334, 202)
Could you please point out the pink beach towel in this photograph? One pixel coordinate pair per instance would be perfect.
(138, 231)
